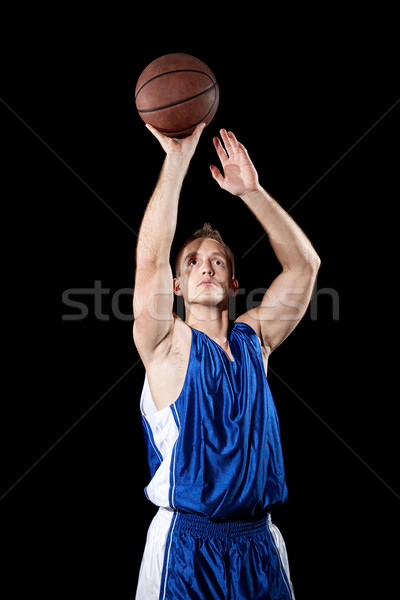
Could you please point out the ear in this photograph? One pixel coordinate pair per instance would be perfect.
(235, 287)
(177, 287)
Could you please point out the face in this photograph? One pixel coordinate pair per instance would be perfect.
(205, 275)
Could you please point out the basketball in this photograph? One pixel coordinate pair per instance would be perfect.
(176, 92)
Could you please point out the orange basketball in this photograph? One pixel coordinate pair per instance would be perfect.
(175, 93)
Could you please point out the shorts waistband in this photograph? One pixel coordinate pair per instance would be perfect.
(197, 524)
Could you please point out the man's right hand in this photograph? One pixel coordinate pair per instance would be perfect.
(184, 147)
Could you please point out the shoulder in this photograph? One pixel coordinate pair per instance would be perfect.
(249, 326)
(167, 366)
(249, 330)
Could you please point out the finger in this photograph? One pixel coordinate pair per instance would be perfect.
(243, 149)
(198, 130)
(222, 154)
(232, 138)
(227, 141)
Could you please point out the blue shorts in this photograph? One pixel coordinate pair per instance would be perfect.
(189, 556)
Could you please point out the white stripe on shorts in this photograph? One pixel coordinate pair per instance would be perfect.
(280, 547)
(150, 573)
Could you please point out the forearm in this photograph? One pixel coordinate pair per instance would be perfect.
(289, 243)
(159, 222)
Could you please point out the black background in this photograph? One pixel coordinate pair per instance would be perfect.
(312, 97)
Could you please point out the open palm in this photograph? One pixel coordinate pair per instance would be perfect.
(239, 174)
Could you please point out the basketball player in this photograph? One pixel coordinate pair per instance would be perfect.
(209, 419)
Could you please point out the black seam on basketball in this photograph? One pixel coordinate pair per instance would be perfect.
(190, 126)
(169, 73)
(150, 110)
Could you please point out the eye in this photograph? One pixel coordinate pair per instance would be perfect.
(192, 262)
(219, 262)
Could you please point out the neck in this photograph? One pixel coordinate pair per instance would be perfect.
(211, 320)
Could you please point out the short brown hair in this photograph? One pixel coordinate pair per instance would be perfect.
(207, 232)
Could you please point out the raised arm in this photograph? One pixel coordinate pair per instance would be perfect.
(153, 293)
(287, 298)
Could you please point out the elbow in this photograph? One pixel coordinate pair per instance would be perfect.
(315, 263)
(309, 263)
(145, 255)
(312, 259)
(313, 267)
(149, 260)
(144, 260)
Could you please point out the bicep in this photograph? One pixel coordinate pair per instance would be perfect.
(282, 307)
(152, 306)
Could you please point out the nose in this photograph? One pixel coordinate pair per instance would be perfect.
(208, 268)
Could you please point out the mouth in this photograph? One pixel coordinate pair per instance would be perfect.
(206, 282)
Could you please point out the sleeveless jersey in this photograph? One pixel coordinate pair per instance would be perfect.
(216, 450)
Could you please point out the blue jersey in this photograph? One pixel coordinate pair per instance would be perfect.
(216, 450)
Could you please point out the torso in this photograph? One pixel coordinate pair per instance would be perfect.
(223, 420)
(166, 373)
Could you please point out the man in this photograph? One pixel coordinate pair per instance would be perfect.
(210, 423)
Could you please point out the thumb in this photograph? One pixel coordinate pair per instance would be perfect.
(161, 138)
(217, 175)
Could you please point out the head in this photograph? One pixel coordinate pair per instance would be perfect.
(205, 268)
(206, 232)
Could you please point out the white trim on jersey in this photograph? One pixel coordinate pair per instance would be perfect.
(164, 430)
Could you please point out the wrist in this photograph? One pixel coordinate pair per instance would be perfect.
(176, 161)
(175, 166)
(253, 194)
